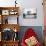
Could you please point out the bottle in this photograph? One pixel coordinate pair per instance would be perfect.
(15, 3)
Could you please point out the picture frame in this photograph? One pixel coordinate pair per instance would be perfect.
(30, 13)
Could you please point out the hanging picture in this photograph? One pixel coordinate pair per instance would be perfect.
(30, 13)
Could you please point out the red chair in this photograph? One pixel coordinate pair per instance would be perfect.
(29, 33)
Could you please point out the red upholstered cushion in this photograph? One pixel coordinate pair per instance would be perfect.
(29, 33)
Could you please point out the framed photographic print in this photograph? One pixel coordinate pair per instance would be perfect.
(30, 13)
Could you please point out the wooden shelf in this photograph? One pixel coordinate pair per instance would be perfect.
(9, 43)
(10, 26)
(4, 8)
(4, 24)
(10, 9)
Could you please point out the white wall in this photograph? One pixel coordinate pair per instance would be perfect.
(32, 4)
(27, 4)
(7, 3)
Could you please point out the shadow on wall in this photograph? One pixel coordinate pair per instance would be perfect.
(37, 29)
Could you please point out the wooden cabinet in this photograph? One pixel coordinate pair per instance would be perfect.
(5, 13)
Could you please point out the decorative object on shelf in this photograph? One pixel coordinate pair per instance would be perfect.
(15, 30)
(8, 34)
(15, 34)
(5, 12)
(15, 3)
(6, 21)
(13, 12)
(15, 37)
(30, 13)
